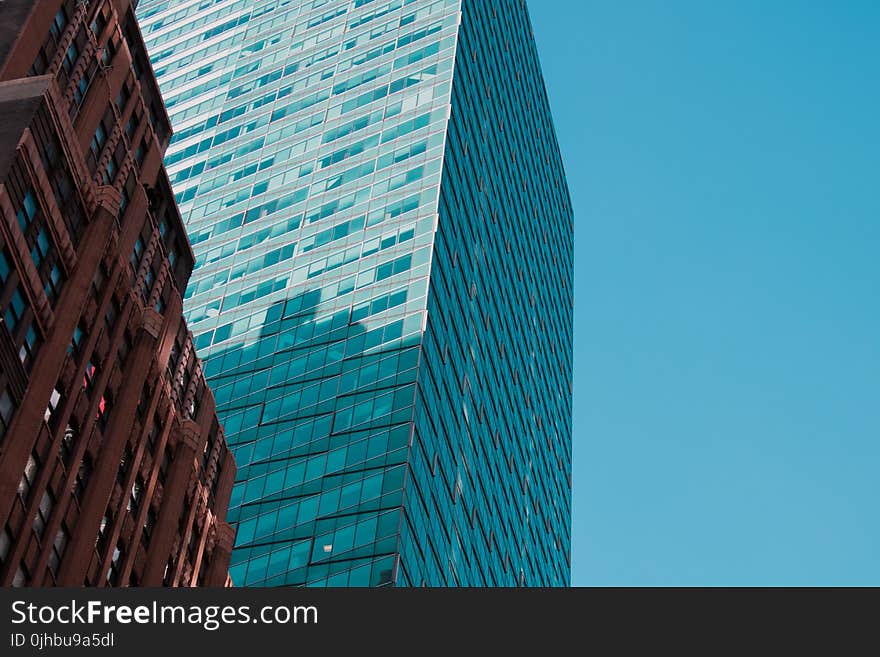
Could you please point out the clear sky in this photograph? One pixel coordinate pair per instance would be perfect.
(724, 160)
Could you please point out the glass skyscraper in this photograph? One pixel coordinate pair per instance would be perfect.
(383, 285)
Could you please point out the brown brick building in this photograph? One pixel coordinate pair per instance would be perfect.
(113, 467)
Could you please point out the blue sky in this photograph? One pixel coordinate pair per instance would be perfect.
(723, 161)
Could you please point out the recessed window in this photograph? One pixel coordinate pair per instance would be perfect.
(4, 268)
(82, 479)
(99, 24)
(102, 531)
(70, 58)
(149, 524)
(21, 577)
(27, 212)
(137, 254)
(79, 91)
(54, 281)
(103, 411)
(98, 140)
(58, 24)
(29, 347)
(107, 53)
(41, 247)
(137, 489)
(58, 548)
(114, 570)
(54, 400)
(76, 341)
(89, 376)
(123, 98)
(7, 408)
(28, 477)
(5, 544)
(47, 503)
(67, 444)
(15, 311)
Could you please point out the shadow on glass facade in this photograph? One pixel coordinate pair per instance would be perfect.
(322, 491)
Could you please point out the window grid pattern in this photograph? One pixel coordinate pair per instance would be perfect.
(383, 278)
(306, 161)
(488, 503)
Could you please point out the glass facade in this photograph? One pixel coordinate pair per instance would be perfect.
(382, 294)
